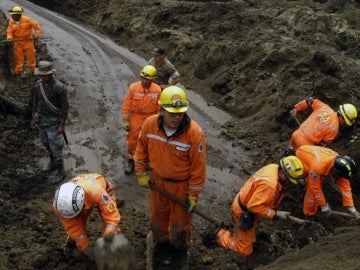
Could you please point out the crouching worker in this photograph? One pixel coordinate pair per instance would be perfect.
(74, 202)
(259, 197)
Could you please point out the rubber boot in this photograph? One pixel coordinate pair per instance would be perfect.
(129, 166)
(60, 174)
(52, 165)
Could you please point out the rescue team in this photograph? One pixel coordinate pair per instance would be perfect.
(167, 149)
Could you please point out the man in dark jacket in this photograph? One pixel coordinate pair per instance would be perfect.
(50, 110)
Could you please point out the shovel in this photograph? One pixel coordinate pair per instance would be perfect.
(184, 204)
(114, 252)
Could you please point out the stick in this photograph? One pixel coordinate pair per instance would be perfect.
(298, 220)
(297, 120)
(339, 213)
(21, 39)
(185, 205)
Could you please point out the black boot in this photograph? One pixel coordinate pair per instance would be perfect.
(182, 260)
(163, 255)
(209, 236)
(52, 165)
(60, 175)
(129, 166)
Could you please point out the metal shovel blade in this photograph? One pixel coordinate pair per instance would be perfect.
(113, 251)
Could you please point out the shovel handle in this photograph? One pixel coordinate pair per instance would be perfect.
(185, 205)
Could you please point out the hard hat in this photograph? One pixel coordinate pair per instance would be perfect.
(148, 72)
(173, 99)
(344, 166)
(16, 10)
(293, 168)
(69, 200)
(349, 113)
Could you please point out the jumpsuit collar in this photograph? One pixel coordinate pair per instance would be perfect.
(184, 125)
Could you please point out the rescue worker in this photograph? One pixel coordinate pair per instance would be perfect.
(259, 197)
(26, 30)
(140, 102)
(175, 146)
(50, 110)
(167, 74)
(322, 125)
(320, 162)
(75, 200)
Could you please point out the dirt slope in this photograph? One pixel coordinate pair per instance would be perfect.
(252, 58)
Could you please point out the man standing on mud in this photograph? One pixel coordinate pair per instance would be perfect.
(167, 74)
(174, 147)
(140, 102)
(50, 110)
(20, 29)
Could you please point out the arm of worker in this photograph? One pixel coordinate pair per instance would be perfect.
(109, 213)
(302, 105)
(260, 203)
(75, 229)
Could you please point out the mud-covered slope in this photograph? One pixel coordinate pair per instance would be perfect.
(252, 58)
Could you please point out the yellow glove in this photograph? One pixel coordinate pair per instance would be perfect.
(143, 179)
(125, 125)
(191, 203)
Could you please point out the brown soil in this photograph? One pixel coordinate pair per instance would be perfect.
(254, 59)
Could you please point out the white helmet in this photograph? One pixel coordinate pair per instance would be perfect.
(69, 200)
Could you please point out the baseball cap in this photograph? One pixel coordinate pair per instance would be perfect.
(158, 50)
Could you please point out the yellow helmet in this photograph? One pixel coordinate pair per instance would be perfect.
(148, 72)
(349, 113)
(293, 168)
(173, 99)
(16, 10)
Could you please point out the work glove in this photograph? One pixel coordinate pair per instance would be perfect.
(326, 208)
(293, 112)
(144, 179)
(89, 252)
(354, 212)
(191, 200)
(283, 214)
(125, 125)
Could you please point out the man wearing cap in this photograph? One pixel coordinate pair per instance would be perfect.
(50, 110)
(167, 74)
(171, 155)
(20, 29)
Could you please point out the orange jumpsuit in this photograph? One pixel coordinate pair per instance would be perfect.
(99, 194)
(318, 163)
(179, 167)
(321, 127)
(23, 30)
(138, 105)
(261, 195)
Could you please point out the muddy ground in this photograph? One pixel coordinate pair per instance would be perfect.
(254, 59)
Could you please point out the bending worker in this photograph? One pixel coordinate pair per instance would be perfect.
(174, 147)
(75, 200)
(320, 162)
(322, 125)
(140, 102)
(20, 28)
(259, 197)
